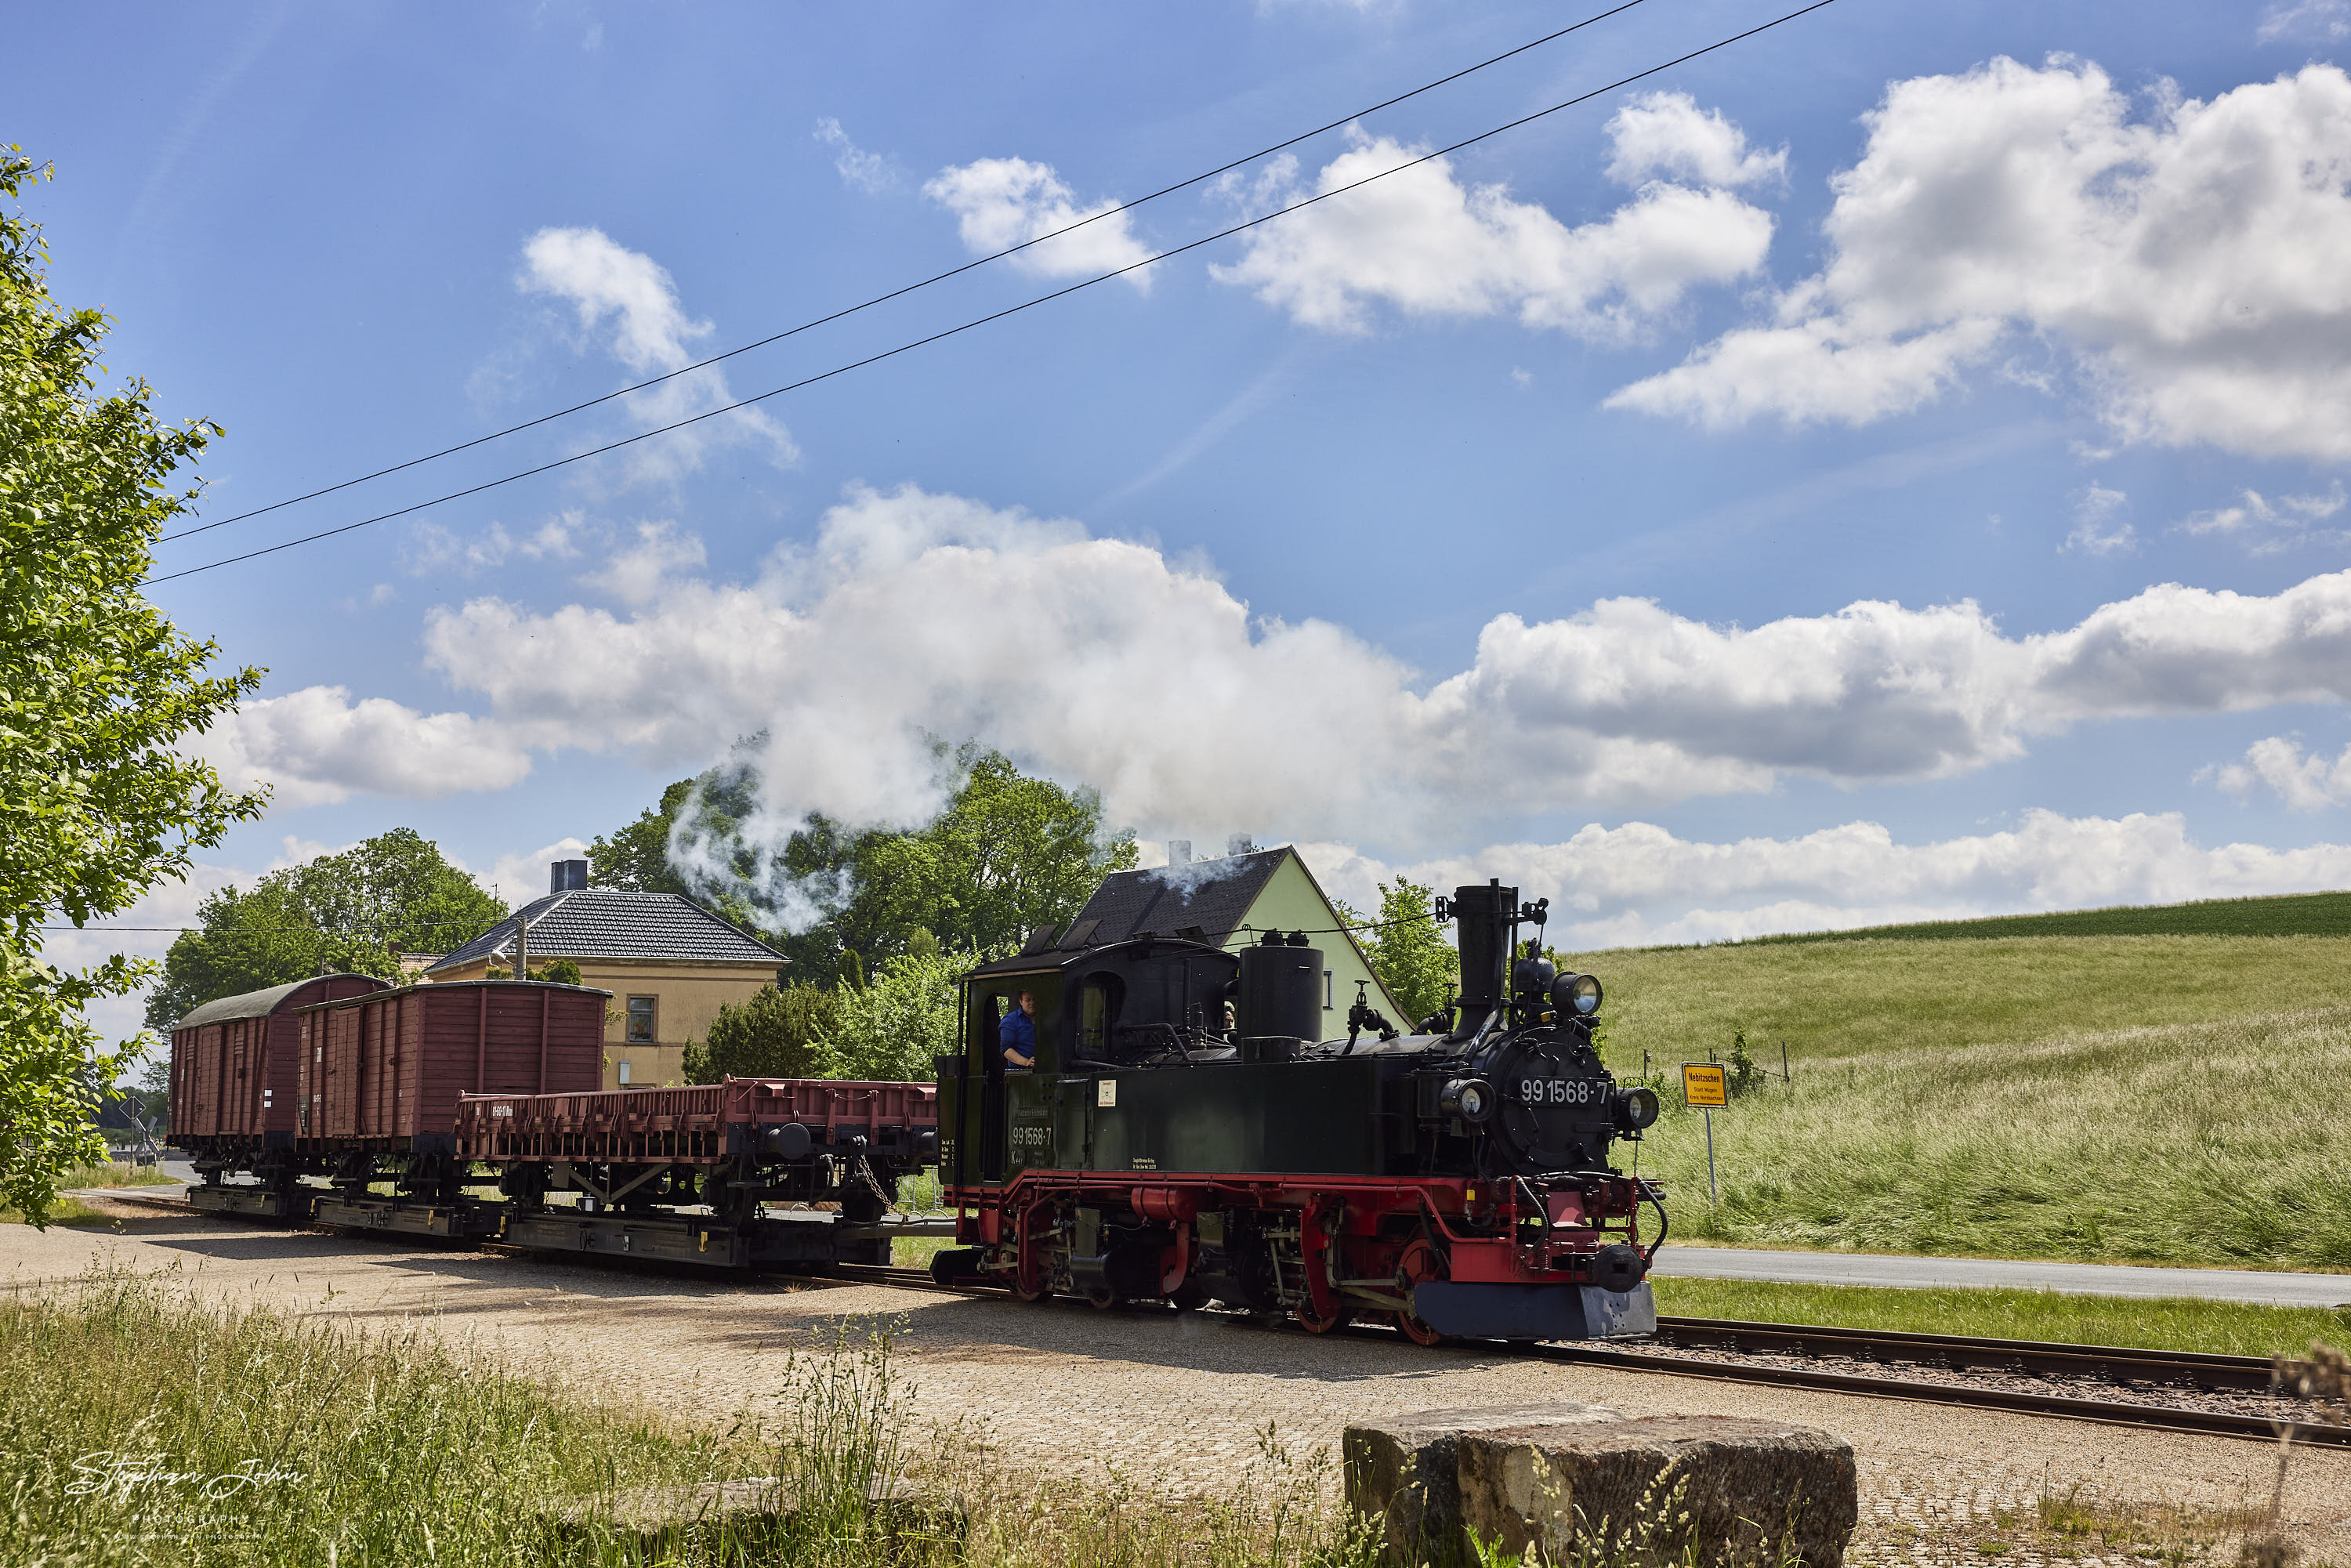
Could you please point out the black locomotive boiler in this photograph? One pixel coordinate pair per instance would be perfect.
(1183, 1136)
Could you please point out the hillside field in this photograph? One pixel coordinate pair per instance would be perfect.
(2174, 1099)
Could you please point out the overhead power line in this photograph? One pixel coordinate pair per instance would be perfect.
(1011, 310)
(910, 287)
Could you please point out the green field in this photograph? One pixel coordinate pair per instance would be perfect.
(2293, 915)
(2174, 1099)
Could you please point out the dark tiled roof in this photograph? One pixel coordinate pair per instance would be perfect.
(605, 923)
(257, 1004)
(1211, 896)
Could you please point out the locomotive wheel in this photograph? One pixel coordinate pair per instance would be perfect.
(1188, 1298)
(1312, 1324)
(1104, 1300)
(1417, 1332)
(1041, 1293)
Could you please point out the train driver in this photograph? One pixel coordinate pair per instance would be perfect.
(1019, 1034)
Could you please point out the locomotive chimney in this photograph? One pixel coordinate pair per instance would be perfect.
(1483, 916)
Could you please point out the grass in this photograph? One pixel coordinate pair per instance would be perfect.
(2158, 1099)
(64, 1211)
(2217, 1328)
(2215, 1144)
(1835, 999)
(138, 1426)
(2292, 914)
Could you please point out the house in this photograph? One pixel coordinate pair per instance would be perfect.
(669, 963)
(1231, 903)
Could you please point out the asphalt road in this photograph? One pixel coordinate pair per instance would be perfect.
(2254, 1286)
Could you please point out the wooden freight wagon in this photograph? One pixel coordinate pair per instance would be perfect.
(235, 1066)
(381, 1074)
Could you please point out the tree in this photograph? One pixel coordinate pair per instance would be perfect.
(1008, 854)
(1409, 953)
(779, 1033)
(99, 694)
(344, 912)
(635, 859)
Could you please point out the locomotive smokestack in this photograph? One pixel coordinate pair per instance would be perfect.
(1483, 923)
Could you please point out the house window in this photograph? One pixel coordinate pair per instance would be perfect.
(640, 1020)
(624, 1072)
(1327, 1003)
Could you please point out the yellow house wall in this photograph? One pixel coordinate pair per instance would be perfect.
(1292, 902)
(686, 998)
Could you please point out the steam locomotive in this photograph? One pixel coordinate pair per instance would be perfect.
(1455, 1180)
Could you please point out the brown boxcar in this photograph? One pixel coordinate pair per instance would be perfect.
(385, 1072)
(235, 1063)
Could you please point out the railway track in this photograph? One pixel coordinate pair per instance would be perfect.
(1692, 1337)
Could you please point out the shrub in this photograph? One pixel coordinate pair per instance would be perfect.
(779, 1033)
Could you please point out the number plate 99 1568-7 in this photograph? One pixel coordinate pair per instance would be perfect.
(1562, 1091)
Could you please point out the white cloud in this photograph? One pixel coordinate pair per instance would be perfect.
(2324, 19)
(2096, 530)
(1424, 244)
(1099, 661)
(629, 300)
(316, 746)
(999, 203)
(432, 551)
(2187, 262)
(1637, 883)
(2305, 782)
(871, 172)
(2268, 527)
(1666, 136)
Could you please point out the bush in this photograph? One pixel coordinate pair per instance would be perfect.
(890, 1028)
(775, 1034)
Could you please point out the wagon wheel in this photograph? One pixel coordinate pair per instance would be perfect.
(1418, 1264)
(1308, 1319)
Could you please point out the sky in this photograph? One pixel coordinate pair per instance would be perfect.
(1892, 467)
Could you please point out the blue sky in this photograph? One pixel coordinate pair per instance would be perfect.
(1504, 517)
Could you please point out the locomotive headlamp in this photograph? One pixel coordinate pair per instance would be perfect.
(1576, 994)
(1471, 1099)
(1636, 1108)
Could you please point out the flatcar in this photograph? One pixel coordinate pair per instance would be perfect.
(1455, 1181)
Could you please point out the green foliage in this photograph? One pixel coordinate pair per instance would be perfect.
(1409, 953)
(562, 972)
(1010, 853)
(99, 694)
(890, 1028)
(345, 912)
(779, 1033)
(1746, 1074)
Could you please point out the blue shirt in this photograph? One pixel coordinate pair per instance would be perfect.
(1019, 1033)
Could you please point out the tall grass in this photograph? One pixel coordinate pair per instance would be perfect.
(2218, 1143)
(138, 1427)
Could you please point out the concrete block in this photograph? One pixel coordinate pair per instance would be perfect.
(1577, 1480)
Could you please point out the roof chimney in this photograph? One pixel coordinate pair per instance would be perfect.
(1241, 844)
(1179, 852)
(567, 877)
